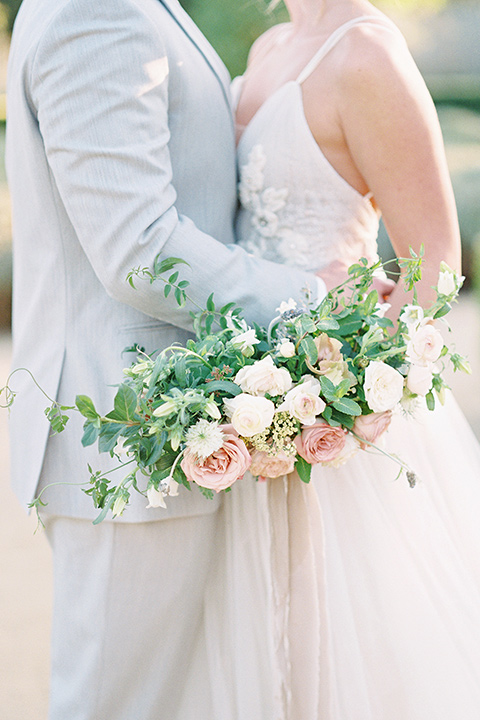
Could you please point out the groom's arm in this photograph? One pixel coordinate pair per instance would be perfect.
(107, 144)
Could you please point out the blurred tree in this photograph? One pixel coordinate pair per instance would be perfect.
(11, 7)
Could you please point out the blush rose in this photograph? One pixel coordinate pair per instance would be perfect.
(271, 466)
(371, 427)
(320, 443)
(220, 469)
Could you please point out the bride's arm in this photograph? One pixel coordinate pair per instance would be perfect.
(392, 132)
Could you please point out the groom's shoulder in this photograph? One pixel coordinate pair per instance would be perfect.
(36, 18)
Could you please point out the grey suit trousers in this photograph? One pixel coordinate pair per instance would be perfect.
(128, 637)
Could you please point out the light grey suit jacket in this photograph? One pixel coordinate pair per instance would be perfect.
(120, 146)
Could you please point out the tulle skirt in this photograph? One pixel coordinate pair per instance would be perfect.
(400, 588)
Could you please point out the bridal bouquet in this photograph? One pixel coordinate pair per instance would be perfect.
(315, 387)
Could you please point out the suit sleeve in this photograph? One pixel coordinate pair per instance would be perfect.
(99, 88)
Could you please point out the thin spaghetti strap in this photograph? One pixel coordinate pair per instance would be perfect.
(337, 35)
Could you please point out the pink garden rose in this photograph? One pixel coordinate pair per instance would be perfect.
(271, 466)
(220, 469)
(320, 443)
(370, 427)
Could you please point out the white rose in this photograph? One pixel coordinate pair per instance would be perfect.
(248, 414)
(303, 401)
(446, 284)
(286, 349)
(424, 346)
(383, 386)
(245, 341)
(419, 379)
(264, 377)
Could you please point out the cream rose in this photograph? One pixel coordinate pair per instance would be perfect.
(220, 469)
(419, 379)
(320, 443)
(303, 401)
(248, 414)
(383, 386)
(264, 377)
(271, 466)
(424, 346)
(371, 427)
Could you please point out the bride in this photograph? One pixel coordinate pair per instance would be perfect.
(335, 125)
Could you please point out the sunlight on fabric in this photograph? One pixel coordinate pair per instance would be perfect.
(157, 71)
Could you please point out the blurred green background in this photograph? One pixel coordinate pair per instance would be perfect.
(443, 37)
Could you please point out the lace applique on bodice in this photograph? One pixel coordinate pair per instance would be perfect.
(294, 206)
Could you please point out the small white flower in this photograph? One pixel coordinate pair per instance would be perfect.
(211, 408)
(119, 506)
(155, 498)
(264, 377)
(245, 342)
(249, 415)
(383, 386)
(286, 306)
(303, 401)
(446, 284)
(286, 349)
(381, 309)
(412, 315)
(168, 407)
(204, 438)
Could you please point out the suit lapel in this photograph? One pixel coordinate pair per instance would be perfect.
(186, 23)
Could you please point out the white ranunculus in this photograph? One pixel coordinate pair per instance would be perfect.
(383, 386)
(446, 284)
(264, 377)
(249, 414)
(419, 379)
(245, 341)
(303, 401)
(424, 346)
(286, 349)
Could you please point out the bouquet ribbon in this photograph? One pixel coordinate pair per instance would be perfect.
(299, 598)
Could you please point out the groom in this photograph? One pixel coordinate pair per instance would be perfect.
(120, 147)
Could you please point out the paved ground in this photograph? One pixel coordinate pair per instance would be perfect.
(25, 566)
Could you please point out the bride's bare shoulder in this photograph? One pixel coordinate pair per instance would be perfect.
(267, 40)
(376, 55)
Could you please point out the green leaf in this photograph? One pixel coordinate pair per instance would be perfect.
(157, 450)
(370, 302)
(347, 406)
(309, 348)
(105, 510)
(327, 323)
(163, 266)
(208, 324)
(327, 414)
(303, 468)
(306, 324)
(226, 308)
(109, 434)
(226, 386)
(442, 311)
(173, 277)
(328, 388)
(210, 303)
(86, 407)
(340, 418)
(167, 290)
(90, 433)
(124, 403)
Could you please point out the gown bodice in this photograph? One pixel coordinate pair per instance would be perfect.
(295, 208)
